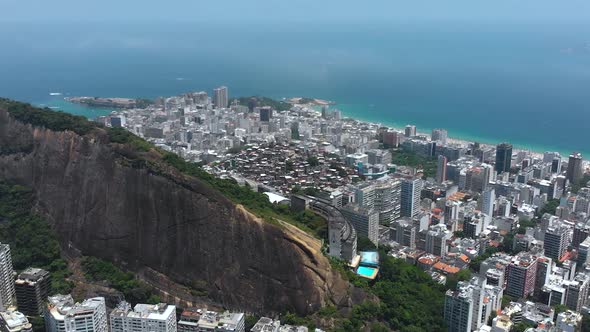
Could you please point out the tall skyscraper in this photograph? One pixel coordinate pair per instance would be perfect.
(404, 232)
(221, 97)
(503, 157)
(325, 112)
(365, 221)
(388, 200)
(436, 240)
(441, 169)
(459, 309)
(265, 113)
(410, 131)
(62, 315)
(488, 200)
(7, 292)
(577, 292)
(575, 172)
(392, 138)
(32, 287)
(521, 275)
(410, 201)
(364, 195)
(439, 135)
(558, 236)
(556, 165)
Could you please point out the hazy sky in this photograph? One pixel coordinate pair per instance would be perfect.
(293, 10)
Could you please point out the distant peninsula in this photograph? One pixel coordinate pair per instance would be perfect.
(310, 101)
(110, 102)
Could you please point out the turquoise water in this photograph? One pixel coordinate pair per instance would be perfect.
(490, 82)
(58, 103)
(365, 271)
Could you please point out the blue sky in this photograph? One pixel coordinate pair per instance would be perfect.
(293, 10)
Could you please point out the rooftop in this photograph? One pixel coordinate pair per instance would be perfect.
(15, 321)
(160, 311)
(61, 306)
(32, 274)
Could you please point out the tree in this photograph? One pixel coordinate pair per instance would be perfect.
(492, 316)
(586, 323)
(289, 166)
(559, 309)
(313, 161)
(250, 321)
(32, 241)
(453, 279)
(412, 159)
(379, 327)
(522, 327)
(549, 207)
(38, 323)
(364, 244)
(580, 184)
(506, 299)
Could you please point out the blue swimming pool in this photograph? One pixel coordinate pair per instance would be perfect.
(366, 271)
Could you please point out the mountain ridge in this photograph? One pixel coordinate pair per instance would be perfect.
(122, 203)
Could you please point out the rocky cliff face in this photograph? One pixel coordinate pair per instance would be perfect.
(105, 206)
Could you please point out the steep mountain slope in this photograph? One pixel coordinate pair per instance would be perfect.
(115, 202)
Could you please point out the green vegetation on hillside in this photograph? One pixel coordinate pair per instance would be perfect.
(305, 100)
(58, 121)
(32, 242)
(123, 136)
(409, 300)
(265, 101)
(412, 159)
(255, 202)
(143, 102)
(134, 290)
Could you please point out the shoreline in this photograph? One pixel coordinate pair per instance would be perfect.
(452, 138)
(460, 138)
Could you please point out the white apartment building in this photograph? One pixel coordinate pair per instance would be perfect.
(143, 318)
(63, 315)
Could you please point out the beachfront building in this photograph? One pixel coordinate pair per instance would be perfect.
(220, 97)
(440, 136)
(410, 131)
(575, 170)
(503, 157)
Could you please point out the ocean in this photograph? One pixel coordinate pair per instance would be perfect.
(528, 84)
